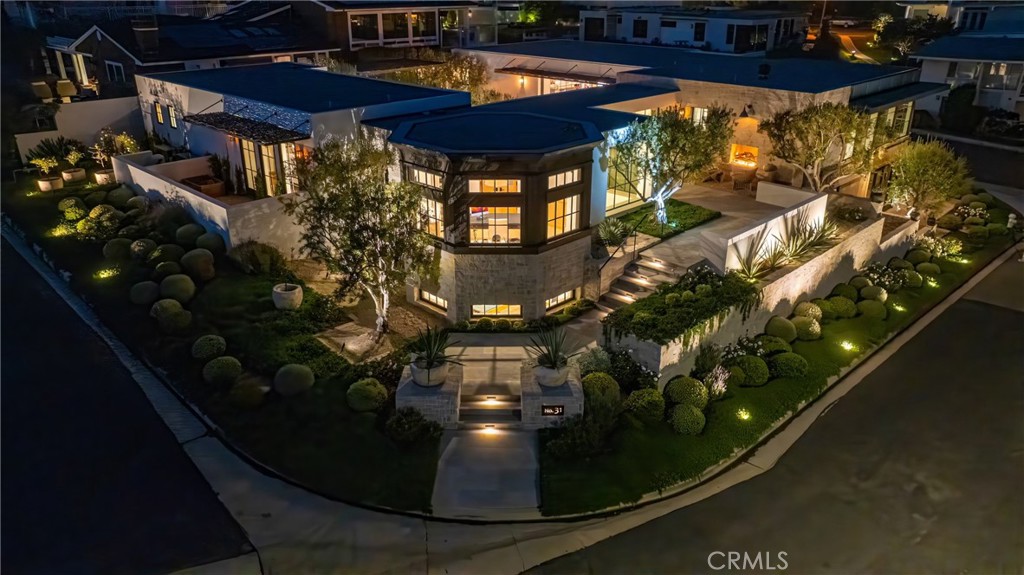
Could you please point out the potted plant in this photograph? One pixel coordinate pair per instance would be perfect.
(287, 296)
(74, 173)
(429, 360)
(108, 145)
(46, 182)
(548, 349)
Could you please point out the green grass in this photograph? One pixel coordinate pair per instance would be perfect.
(681, 217)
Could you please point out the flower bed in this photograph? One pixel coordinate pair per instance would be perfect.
(681, 217)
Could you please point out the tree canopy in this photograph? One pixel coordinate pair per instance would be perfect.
(451, 72)
(926, 174)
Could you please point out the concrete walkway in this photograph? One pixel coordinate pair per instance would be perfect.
(850, 47)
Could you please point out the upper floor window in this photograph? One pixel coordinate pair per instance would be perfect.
(563, 216)
(564, 178)
(433, 217)
(699, 116)
(159, 111)
(698, 31)
(115, 71)
(494, 187)
(494, 225)
(639, 28)
(429, 179)
(172, 117)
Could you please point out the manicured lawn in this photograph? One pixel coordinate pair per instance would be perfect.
(681, 217)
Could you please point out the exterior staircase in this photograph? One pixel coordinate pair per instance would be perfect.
(490, 411)
(639, 281)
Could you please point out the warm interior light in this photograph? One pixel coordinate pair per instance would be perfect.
(743, 414)
(745, 156)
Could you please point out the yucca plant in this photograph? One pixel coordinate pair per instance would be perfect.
(430, 349)
(752, 264)
(549, 349)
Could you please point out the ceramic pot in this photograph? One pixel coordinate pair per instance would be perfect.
(73, 175)
(429, 377)
(50, 183)
(287, 296)
(105, 176)
(549, 377)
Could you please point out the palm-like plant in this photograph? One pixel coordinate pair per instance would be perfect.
(549, 349)
(430, 348)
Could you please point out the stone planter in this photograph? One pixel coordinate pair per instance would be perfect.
(287, 296)
(50, 183)
(548, 377)
(105, 176)
(73, 175)
(429, 377)
(206, 185)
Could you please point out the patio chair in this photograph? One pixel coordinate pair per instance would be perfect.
(42, 91)
(66, 89)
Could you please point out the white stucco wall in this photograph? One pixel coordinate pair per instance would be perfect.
(84, 120)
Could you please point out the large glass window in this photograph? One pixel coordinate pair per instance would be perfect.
(563, 216)
(497, 309)
(433, 217)
(494, 225)
(424, 24)
(249, 163)
(624, 183)
(429, 179)
(494, 186)
(699, 115)
(564, 178)
(290, 155)
(560, 299)
(433, 300)
(269, 168)
(395, 25)
(172, 116)
(159, 111)
(364, 27)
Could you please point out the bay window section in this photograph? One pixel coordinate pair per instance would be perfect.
(364, 28)
(425, 178)
(495, 225)
(395, 25)
(433, 217)
(563, 216)
(494, 186)
(497, 310)
(564, 178)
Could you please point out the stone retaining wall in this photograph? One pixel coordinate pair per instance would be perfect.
(439, 403)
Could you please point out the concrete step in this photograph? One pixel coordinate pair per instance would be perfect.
(606, 306)
(504, 419)
(630, 289)
(655, 266)
(648, 275)
(615, 296)
(489, 402)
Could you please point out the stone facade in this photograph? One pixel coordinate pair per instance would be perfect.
(568, 396)
(439, 403)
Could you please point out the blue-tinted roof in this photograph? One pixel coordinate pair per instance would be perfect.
(905, 93)
(706, 14)
(638, 55)
(978, 48)
(478, 131)
(299, 87)
(582, 105)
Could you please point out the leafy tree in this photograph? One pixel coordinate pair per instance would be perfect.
(336, 65)
(451, 72)
(363, 228)
(667, 150)
(815, 139)
(926, 174)
(881, 21)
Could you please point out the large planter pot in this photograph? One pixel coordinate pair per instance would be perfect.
(287, 296)
(73, 175)
(429, 377)
(50, 183)
(206, 185)
(549, 377)
(105, 176)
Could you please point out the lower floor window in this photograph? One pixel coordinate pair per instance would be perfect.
(560, 299)
(494, 225)
(497, 309)
(433, 300)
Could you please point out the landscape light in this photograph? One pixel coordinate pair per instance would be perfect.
(932, 283)
(105, 273)
(743, 414)
(898, 307)
(848, 345)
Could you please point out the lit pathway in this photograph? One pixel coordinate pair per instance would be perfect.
(849, 46)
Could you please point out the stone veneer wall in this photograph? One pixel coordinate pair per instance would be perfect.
(568, 395)
(439, 403)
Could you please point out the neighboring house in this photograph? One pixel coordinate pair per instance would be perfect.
(31, 13)
(986, 17)
(716, 29)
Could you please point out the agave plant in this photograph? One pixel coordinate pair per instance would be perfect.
(430, 348)
(549, 349)
(752, 263)
(612, 232)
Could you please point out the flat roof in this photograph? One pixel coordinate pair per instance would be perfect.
(882, 100)
(255, 130)
(977, 48)
(698, 13)
(488, 131)
(298, 87)
(637, 55)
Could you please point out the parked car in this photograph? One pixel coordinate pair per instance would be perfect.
(845, 22)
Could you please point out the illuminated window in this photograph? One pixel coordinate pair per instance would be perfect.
(269, 168)
(699, 116)
(625, 183)
(494, 225)
(433, 217)
(494, 187)
(249, 164)
(159, 111)
(563, 216)
(172, 117)
(433, 300)
(564, 178)
(497, 310)
(560, 299)
(429, 179)
(291, 153)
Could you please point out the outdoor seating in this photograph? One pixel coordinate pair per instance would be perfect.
(66, 89)
(42, 91)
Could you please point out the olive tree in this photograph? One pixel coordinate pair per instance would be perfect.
(926, 174)
(450, 71)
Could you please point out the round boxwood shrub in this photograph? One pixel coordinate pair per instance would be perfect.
(684, 389)
(787, 365)
(950, 222)
(170, 316)
(103, 210)
(781, 328)
(178, 287)
(503, 324)
(687, 295)
(808, 309)
(165, 253)
(246, 395)
(164, 269)
(918, 256)
(845, 290)
(929, 269)
(687, 419)
(211, 241)
(876, 293)
(209, 346)
(142, 248)
(872, 309)
(75, 213)
(101, 228)
(977, 233)
(131, 231)
(70, 202)
(754, 368)
(198, 264)
(996, 229)
(978, 205)
(117, 249)
(222, 371)
(187, 235)
(293, 379)
(736, 376)
(95, 198)
(986, 198)
(974, 221)
(843, 306)
(702, 290)
(119, 196)
(601, 394)
(772, 345)
(483, 324)
(673, 299)
(144, 293)
(966, 199)
(647, 405)
(367, 394)
(900, 264)
(137, 203)
(807, 329)
(132, 216)
(643, 320)
(827, 313)
(912, 279)
(859, 282)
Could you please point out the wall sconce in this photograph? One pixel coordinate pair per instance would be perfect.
(747, 112)
(522, 81)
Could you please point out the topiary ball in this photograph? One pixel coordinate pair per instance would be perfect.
(876, 293)
(142, 248)
(211, 241)
(687, 295)
(977, 233)
(950, 222)
(859, 282)
(601, 394)
(119, 196)
(246, 395)
(900, 264)
(754, 368)
(808, 309)
(222, 371)
(845, 290)
(95, 198)
(978, 205)
(132, 232)
(144, 293)
(807, 329)
(844, 307)
(686, 390)
(918, 256)
(827, 313)
(673, 299)
(198, 264)
(687, 420)
(872, 309)
(770, 345)
(736, 376)
(164, 269)
(293, 379)
(503, 324)
(483, 324)
(986, 198)
(187, 235)
(366, 395)
(165, 253)
(966, 199)
(70, 202)
(171, 317)
(137, 203)
(646, 405)
(928, 269)
(787, 365)
(974, 221)
(178, 287)
(781, 328)
(209, 346)
(702, 290)
(117, 249)
(912, 279)
(996, 229)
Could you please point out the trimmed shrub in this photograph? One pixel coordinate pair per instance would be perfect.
(702, 290)
(246, 395)
(601, 396)
(293, 379)
(595, 359)
(142, 248)
(754, 368)
(132, 232)
(103, 210)
(929, 269)
(629, 374)
(178, 287)
(686, 390)
(144, 293)
(969, 197)
(787, 365)
(977, 233)
(807, 329)
(827, 313)
(186, 235)
(709, 356)
(913, 279)
(807, 309)
(408, 427)
(164, 269)
(170, 316)
(673, 299)
(98, 229)
(198, 264)
(647, 405)
(986, 198)
(974, 221)
(845, 290)
(95, 198)
(484, 324)
(208, 346)
(503, 324)
(859, 282)
(843, 306)
(253, 257)
(876, 293)
(643, 320)
(781, 327)
(70, 202)
(949, 222)
(165, 253)
(771, 345)
(736, 376)
(900, 264)
(117, 249)
(140, 203)
(687, 295)
(212, 242)
(75, 213)
(118, 197)
(687, 420)
(872, 309)
(918, 256)
(222, 371)
(996, 229)
(367, 394)
(978, 205)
